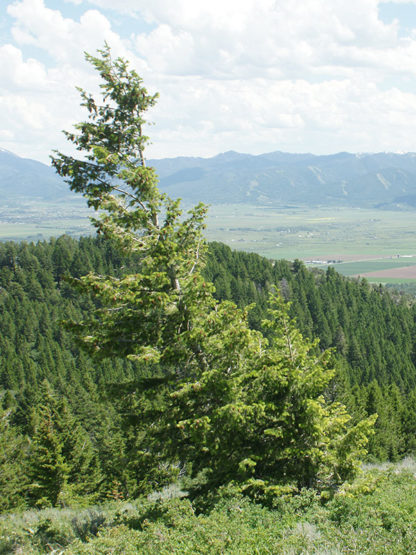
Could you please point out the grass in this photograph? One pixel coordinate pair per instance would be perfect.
(374, 515)
(353, 235)
(300, 232)
(34, 221)
(364, 266)
(390, 280)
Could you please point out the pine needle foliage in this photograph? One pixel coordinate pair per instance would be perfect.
(63, 466)
(223, 402)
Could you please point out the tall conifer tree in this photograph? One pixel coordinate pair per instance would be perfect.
(222, 399)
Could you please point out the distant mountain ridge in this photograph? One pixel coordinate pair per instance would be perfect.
(382, 180)
(23, 178)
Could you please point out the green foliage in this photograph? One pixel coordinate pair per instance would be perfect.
(258, 417)
(36, 347)
(222, 399)
(63, 465)
(47, 530)
(143, 315)
(375, 520)
(13, 464)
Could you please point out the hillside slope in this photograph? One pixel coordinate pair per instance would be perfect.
(24, 179)
(367, 180)
(383, 180)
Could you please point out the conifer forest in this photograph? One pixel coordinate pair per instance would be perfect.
(159, 394)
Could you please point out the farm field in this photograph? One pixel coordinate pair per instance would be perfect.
(34, 221)
(387, 267)
(408, 272)
(355, 241)
(314, 233)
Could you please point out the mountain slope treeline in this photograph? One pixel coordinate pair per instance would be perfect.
(66, 437)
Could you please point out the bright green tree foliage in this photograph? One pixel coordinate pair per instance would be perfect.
(63, 466)
(37, 347)
(222, 399)
(13, 459)
(258, 414)
(145, 314)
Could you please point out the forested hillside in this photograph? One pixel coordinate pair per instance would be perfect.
(46, 377)
(160, 379)
(161, 393)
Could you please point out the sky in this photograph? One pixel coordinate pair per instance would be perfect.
(254, 76)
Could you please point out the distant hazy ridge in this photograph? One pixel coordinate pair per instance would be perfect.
(383, 180)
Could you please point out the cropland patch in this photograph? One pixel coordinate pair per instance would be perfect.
(348, 257)
(404, 272)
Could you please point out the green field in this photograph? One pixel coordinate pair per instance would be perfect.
(361, 240)
(34, 221)
(393, 281)
(310, 233)
(362, 267)
(364, 240)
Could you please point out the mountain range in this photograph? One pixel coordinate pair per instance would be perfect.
(382, 180)
(26, 179)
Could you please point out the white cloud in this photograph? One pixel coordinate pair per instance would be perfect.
(243, 74)
(18, 74)
(284, 115)
(63, 39)
(39, 98)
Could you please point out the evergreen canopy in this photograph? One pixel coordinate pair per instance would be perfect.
(223, 401)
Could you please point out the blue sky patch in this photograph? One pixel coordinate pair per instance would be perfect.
(405, 14)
